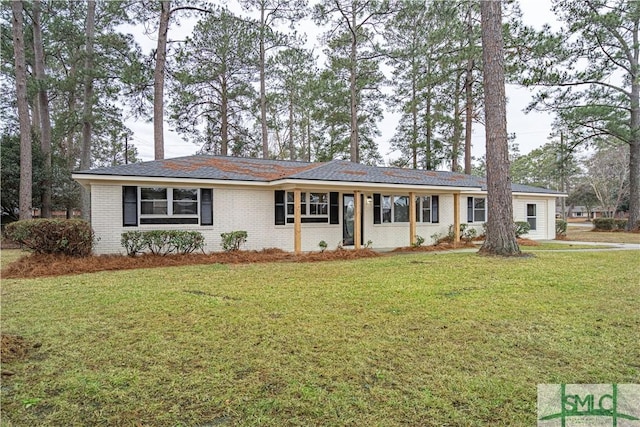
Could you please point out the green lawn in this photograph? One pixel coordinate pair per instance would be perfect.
(420, 340)
(583, 234)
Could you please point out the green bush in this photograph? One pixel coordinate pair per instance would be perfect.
(561, 227)
(72, 237)
(620, 224)
(133, 242)
(323, 245)
(522, 228)
(162, 242)
(609, 224)
(233, 240)
(419, 241)
(467, 234)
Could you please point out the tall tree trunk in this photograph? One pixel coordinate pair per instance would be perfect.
(263, 90)
(501, 238)
(457, 127)
(468, 89)
(428, 131)
(87, 107)
(292, 148)
(353, 90)
(414, 117)
(634, 147)
(26, 173)
(43, 103)
(224, 120)
(158, 81)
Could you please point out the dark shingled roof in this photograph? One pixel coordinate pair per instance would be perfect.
(261, 170)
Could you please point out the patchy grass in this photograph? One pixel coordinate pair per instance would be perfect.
(7, 256)
(583, 234)
(418, 339)
(550, 246)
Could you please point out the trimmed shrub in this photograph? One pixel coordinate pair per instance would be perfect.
(233, 240)
(561, 228)
(620, 224)
(419, 241)
(609, 224)
(323, 245)
(467, 234)
(162, 242)
(522, 228)
(73, 237)
(133, 242)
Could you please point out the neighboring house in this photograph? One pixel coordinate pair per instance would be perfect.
(582, 212)
(294, 205)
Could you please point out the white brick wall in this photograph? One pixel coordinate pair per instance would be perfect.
(252, 210)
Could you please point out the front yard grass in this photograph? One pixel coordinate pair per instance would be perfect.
(583, 234)
(421, 339)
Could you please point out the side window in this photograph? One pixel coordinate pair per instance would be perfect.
(532, 215)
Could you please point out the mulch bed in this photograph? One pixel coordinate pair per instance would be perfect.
(42, 265)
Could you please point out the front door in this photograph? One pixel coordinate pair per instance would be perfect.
(348, 220)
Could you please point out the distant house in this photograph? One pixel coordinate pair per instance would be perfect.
(295, 205)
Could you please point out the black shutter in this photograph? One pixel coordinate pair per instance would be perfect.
(206, 206)
(334, 208)
(469, 209)
(280, 207)
(129, 206)
(418, 206)
(377, 212)
(435, 217)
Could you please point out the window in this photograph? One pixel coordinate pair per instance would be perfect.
(395, 209)
(476, 209)
(400, 209)
(314, 207)
(427, 209)
(165, 205)
(531, 215)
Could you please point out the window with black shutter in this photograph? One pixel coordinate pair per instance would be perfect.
(129, 206)
(280, 207)
(334, 208)
(435, 216)
(377, 209)
(206, 206)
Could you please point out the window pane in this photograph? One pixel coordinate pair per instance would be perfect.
(479, 216)
(185, 208)
(400, 209)
(532, 223)
(426, 209)
(386, 208)
(185, 194)
(153, 193)
(531, 210)
(289, 197)
(153, 207)
(478, 204)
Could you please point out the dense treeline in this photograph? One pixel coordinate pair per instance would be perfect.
(245, 83)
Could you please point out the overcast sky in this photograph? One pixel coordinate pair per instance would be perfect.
(532, 130)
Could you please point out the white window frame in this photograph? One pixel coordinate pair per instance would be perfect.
(169, 201)
(533, 217)
(420, 204)
(474, 210)
(391, 208)
(306, 203)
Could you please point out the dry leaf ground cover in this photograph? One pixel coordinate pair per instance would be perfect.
(419, 339)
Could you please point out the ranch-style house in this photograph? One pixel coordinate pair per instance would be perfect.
(295, 205)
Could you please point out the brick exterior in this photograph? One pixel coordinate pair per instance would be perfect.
(252, 210)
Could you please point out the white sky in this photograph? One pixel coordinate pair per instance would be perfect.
(532, 130)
